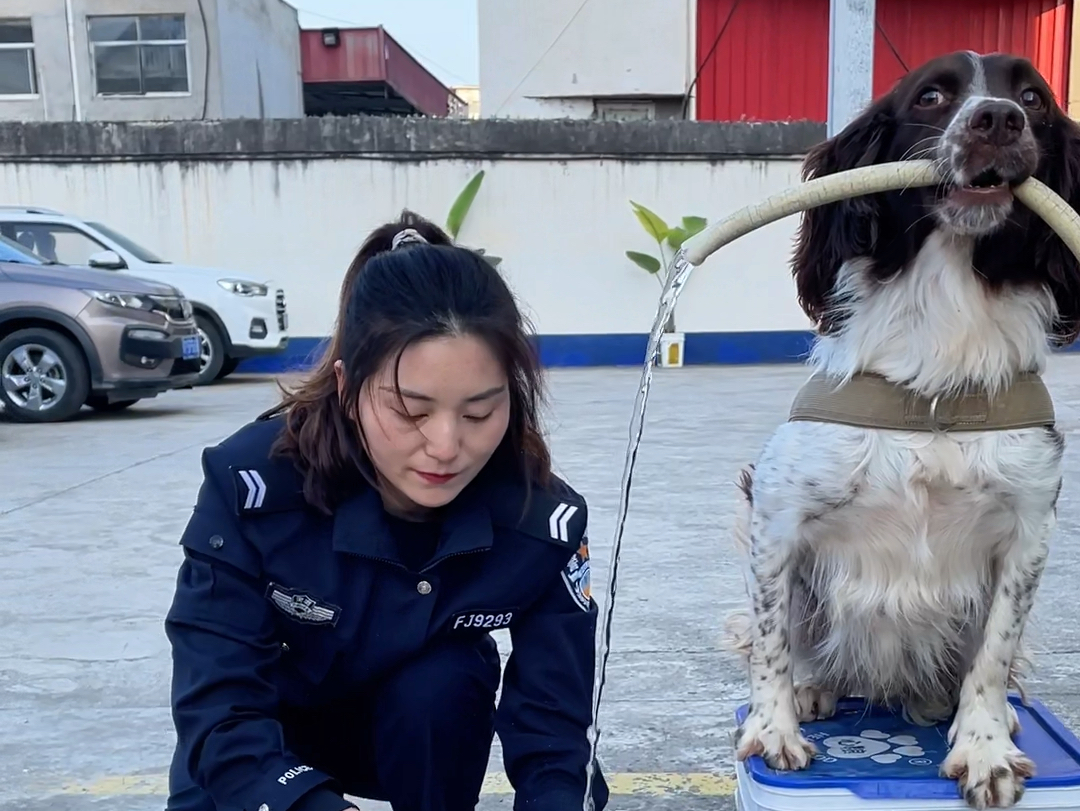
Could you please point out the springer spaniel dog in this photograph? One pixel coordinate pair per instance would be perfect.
(897, 565)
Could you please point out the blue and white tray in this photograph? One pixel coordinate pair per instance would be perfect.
(873, 759)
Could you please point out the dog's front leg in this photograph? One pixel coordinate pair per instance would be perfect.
(990, 768)
(771, 728)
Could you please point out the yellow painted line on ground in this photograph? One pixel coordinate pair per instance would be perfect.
(657, 784)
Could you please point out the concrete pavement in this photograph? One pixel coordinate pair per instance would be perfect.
(91, 510)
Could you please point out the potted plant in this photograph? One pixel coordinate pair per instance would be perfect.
(672, 341)
(460, 208)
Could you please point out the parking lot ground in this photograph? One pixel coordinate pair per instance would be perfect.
(91, 510)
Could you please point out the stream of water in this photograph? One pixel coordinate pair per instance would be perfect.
(677, 276)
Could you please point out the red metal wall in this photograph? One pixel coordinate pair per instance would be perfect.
(372, 55)
(772, 58)
(359, 58)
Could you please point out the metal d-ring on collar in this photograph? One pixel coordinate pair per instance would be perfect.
(936, 425)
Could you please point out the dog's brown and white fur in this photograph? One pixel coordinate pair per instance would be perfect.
(902, 566)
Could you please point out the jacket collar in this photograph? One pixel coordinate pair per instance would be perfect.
(360, 528)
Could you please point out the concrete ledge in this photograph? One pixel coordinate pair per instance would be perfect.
(402, 138)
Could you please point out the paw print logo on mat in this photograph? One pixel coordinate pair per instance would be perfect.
(880, 747)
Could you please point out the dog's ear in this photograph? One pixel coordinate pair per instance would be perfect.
(833, 233)
(1060, 171)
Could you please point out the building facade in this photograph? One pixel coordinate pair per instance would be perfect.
(365, 71)
(604, 59)
(767, 60)
(140, 60)
(737, 60)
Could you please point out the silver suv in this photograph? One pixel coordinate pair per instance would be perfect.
(73, 336)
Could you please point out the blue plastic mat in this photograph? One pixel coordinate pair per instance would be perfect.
(874, 753)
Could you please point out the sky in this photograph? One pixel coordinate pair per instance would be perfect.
(441, 34)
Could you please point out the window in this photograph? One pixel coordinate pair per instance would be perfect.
(18, 75)
(625, 110)
(139, 55)
(139, 252)
(60, 243)
(14, 252)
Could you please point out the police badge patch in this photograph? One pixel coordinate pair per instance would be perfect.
(577, 578)
(302, 607)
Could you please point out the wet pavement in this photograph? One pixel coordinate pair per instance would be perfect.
(91, 510)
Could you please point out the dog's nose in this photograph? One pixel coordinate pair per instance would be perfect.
(1000, 122)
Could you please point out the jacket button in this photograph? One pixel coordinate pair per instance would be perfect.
(216, 542)
(424, 587)
(264, 807)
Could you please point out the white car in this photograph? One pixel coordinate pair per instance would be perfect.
(238, 316)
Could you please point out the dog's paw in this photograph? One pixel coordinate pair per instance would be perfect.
(781, 747)
(928, 712)
(814, 703)
(990, 770)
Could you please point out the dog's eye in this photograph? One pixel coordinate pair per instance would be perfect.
(1031, 99)
(931, 98)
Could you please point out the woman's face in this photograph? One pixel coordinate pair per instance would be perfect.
(456, 412)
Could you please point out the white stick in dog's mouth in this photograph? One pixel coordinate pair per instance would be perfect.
(1042, 200)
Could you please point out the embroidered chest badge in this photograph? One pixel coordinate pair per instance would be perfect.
(301, 606)
(576, 576)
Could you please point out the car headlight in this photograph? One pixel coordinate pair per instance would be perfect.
(129, 300)
(242, 288)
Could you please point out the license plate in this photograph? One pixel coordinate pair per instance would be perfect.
(191, 347)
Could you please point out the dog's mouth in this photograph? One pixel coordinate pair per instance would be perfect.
(988, 187)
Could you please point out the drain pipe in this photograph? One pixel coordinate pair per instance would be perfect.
(71, 55)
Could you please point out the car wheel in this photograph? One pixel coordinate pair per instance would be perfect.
(211, 351)
(43, 376)
(228, 367)
(99, 403)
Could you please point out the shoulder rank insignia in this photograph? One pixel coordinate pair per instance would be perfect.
(559, 521)
(577, 577)
(301, 606)
(250, 490)
(268, 489)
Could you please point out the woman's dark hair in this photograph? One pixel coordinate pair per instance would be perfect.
(391, 299)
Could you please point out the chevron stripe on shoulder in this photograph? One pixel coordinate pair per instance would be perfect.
(252, 490)
(557, 514)
(559, 521)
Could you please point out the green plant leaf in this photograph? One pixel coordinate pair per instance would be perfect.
(652, 223)
(644, 261)
(462, 204)
(676, 237)
(693, 225)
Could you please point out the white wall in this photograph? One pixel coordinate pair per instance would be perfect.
(562, 227)
(612, 48)
(259, 49)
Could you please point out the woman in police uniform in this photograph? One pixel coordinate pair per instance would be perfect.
(351, 551)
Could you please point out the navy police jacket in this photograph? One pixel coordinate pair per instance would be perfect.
(277, 602)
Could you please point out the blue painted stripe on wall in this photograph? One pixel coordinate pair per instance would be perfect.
(598, 350)
(702, 348)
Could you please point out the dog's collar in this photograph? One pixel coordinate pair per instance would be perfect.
(871, 401)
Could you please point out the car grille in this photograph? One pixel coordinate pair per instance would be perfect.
(175, 308)
(280, 308)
